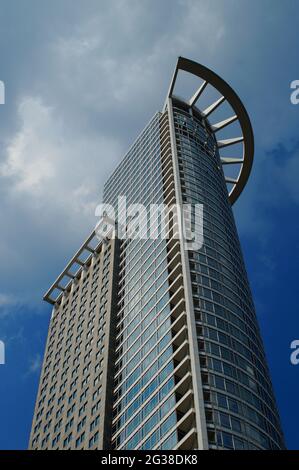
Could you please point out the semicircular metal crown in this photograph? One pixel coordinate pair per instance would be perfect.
(240, 115)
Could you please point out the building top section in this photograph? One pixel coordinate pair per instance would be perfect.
(244, 142)
(237, 121)
(73, 269)
(142, 143)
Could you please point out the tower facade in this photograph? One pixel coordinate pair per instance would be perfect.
(154, 344)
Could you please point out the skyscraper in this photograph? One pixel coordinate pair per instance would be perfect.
(152, 344)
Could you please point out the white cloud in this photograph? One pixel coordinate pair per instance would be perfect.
(5, 300)
(8, 303)
(51, 180)
(35, 365)
(45, 160)
(30, 153)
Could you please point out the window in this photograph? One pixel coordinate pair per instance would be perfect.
(80, 439)
(94, 439)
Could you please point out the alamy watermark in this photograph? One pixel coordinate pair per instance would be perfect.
(137, 221)
(2, 353)
(294, 358)
(295, 94)
(2, 101)
(2, 92)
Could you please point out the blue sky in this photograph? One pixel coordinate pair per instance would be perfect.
(82, 79)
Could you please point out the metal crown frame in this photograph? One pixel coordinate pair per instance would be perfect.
(73, 269)
(241, 116)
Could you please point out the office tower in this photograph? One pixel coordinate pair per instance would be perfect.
(154, 344)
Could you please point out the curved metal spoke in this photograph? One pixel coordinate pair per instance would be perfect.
(227, 142)
(228, 179)
(231, 160)
(222, 124)
(240, 116)
(213, 107)
(197, 94)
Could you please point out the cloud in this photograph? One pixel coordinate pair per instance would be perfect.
(100, 73)
(8, 304)
(45, 162)
(29, 156)
(34, 365)
(5, 300)
(51, 179)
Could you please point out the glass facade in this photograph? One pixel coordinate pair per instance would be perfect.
(144, 381)
(240, 408)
